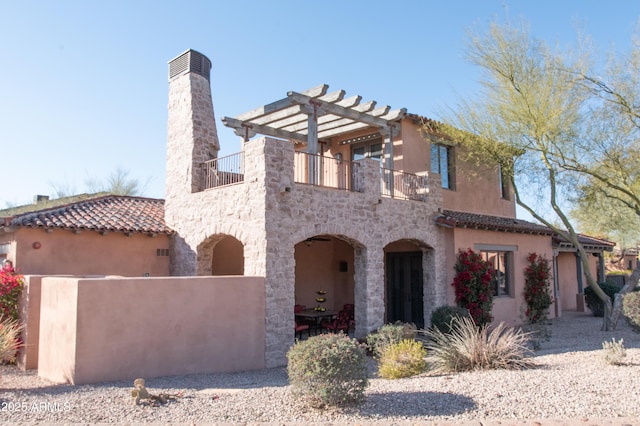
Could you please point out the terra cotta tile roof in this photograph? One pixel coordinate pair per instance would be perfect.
(457, 219)
(110, 213)
(490, 223)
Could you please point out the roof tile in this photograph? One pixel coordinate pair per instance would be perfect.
(117, 213)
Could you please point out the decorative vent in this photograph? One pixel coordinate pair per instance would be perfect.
(190, 61)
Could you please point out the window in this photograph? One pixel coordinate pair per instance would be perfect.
(442, 164)
(504, 184)
(372, 150)
(4, 252)
(501, 264)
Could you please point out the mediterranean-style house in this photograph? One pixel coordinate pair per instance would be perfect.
(329, 193)
(347, 197)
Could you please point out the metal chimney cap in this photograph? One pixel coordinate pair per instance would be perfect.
(190, 61)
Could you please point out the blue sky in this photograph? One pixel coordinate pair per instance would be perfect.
(83, 84)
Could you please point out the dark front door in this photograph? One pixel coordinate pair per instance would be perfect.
(404, 288)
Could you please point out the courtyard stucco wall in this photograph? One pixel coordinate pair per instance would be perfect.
(114, 328)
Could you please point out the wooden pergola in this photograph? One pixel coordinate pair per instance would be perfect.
(315, 115)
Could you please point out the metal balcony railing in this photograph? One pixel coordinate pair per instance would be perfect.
(223, 171)
(402, 185)
(329, 172)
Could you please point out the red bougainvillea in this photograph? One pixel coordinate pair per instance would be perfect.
(472, 285)
(537, 294)
(10, 287)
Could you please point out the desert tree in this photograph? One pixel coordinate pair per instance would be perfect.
(118, 182)
(531, 119)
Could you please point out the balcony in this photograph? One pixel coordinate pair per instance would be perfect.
(224, 171)
(322, 171)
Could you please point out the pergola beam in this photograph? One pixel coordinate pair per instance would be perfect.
(301, 99)
(314, 92)
(265, 130)
(314, 114)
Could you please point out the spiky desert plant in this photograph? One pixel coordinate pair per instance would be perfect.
(614, 351)
(469, 347)
(9, 339)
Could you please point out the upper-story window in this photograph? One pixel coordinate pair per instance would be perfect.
(504, 184)
(442, 163)
(371, 149)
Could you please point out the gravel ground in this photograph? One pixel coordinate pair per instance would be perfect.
(570, 384)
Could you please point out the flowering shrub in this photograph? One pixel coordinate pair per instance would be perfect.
(536, 288)
(472, 285)
(10, 287)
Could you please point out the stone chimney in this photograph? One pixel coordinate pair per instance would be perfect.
(192, 137)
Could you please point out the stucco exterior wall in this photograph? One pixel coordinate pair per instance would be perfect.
(477, 190)
(94, 330)
(508, 309)
(89, 253)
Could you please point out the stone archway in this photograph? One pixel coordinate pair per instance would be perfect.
(221, 255)
(324, 263)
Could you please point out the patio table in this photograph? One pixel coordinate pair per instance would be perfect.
(315, 317)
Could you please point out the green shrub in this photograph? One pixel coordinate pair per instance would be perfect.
(593, 301)
(389, 334)
(631, 309)
(442, 316)
(9, 339)
(614, 351)
(469, 347)
(402, 359)
(328, 369)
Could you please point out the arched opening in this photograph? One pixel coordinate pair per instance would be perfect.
(221, 255)
(324, 274)
(228, 257)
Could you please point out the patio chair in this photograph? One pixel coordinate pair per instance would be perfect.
(339, 323)
(350, 309)
(299, 328)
